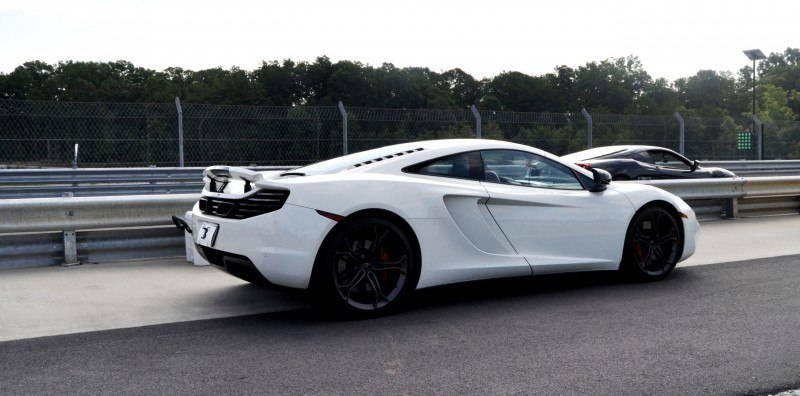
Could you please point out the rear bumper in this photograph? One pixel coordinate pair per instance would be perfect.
(234, 264)
(281, 246)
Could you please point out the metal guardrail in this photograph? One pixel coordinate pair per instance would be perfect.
(52, 231)
(90, 229)
(92, 182)
(85, 213)
(734, 197)
(758, 168)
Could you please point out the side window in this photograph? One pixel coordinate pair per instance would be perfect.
(668, 160)
(643, 156)
(527, 169)
(463, 166)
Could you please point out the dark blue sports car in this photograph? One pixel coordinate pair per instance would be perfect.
(643, 163)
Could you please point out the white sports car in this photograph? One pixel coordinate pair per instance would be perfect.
(366, 229)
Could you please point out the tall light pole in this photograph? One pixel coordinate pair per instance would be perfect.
(754, 55)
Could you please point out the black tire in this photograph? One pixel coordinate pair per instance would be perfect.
(653, 245)
(368, 267)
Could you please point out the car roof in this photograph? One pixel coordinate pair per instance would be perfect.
(408, 153)
(607, 150)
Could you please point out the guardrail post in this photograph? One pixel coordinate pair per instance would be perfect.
(682, 127)
(180, 131)
(477, 121)
(344, 127)
(70, 248)
(760, 131)
(70, 240)
(731, 208)
(588, 127)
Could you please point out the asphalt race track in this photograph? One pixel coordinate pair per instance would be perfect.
(719, 329)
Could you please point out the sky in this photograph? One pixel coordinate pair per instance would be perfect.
(672, 39)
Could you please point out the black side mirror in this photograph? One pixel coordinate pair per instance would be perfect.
(601, 180)
(695, 164)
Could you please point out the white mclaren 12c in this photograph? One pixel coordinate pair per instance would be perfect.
(364, 230)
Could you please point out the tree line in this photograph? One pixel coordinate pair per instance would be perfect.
(611, 86)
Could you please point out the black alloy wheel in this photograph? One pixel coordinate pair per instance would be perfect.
(369, 266)
(653, 244)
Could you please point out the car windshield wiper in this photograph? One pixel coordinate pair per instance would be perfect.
(293, 174)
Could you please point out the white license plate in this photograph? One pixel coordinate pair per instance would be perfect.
(206, 234)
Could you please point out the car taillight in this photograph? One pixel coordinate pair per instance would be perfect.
(585, 166)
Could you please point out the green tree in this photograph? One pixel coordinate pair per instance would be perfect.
(165, 86)
(28, 81)
(312, 80)
(707, 93)
(612, 85)
(520, 92)
(774, 104)
(563, 81)
(351, 83)
(463, 89)
(219, 86)
(118, 81)
(657, 98)
(277, 83)
(783, 71)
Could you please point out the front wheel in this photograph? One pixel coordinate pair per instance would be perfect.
(652, 244)
(368, 267)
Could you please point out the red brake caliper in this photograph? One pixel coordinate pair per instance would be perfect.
(384, 259)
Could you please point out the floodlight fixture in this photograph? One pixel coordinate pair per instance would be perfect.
(755, 54)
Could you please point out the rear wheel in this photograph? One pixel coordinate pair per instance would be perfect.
(368, 267)
(652, 244)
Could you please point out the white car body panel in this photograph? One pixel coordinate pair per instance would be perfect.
(466, 229)
(545, 224)
(639, 195)
(273, 242)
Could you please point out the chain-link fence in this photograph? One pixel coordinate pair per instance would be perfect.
(108, 134)
(259, 135)
(145, 134)
(558, 133)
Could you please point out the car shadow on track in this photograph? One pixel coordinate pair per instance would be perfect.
(532, 286)
(478, 293)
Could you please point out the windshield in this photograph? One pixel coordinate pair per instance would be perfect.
(339, 164)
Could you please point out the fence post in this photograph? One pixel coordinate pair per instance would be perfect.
(760, 131)
(344, 127)
(683, 131)
(477, 120)
(589, 126)
(74, 156)
(180, 131)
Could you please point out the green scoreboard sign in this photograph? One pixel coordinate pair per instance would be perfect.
(745, 139)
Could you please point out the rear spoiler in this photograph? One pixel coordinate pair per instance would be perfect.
(216, 177)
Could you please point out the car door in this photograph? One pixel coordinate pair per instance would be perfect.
(483, 251)
(548, 216)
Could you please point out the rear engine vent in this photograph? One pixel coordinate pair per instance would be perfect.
(379, 159)
(262, 201)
